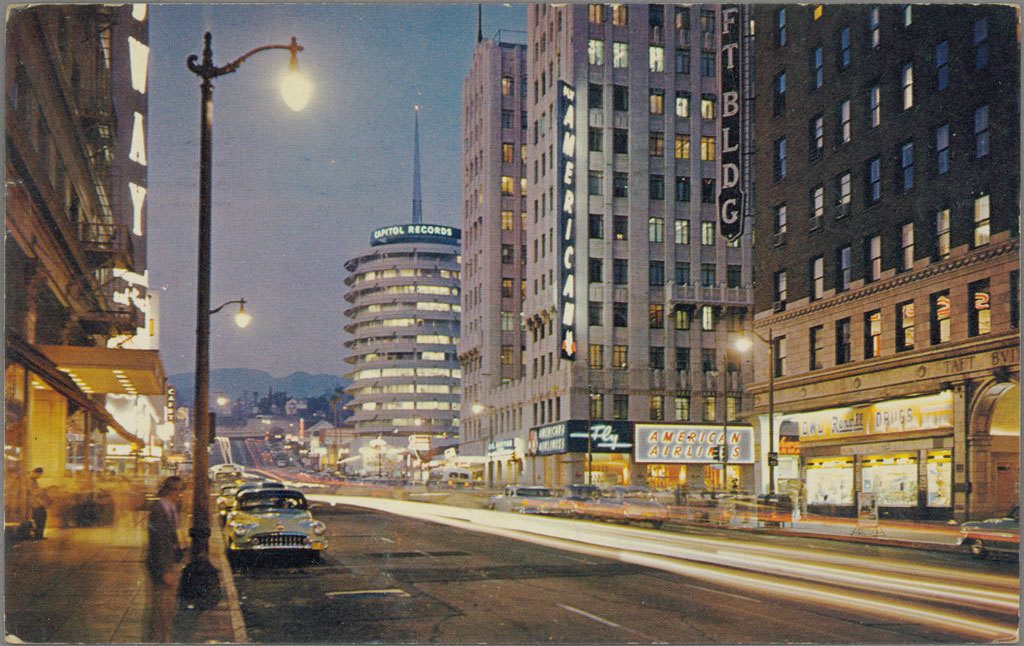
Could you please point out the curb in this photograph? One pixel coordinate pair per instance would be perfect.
(839, 538)
(227, 582)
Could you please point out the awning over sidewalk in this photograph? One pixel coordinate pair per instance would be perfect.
(20, 351)
(111, 371)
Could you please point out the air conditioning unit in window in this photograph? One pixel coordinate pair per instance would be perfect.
(779, 306)
(779, 239)
(842, 209)
(814, 223)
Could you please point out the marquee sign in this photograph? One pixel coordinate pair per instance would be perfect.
(435, 233)
(566, 135)
(692, 444)
(894, 416)
(730, 196)
(571, 437)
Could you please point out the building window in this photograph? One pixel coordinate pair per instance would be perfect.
(620, 271)
(907, 246)
(844, 132)
(816, 344)
(707, 233)
(620, 98)
(656, 58)
(779, 93)
(620, 15)
(780, 218)
(907, 85)
(682, 275)
(780, 27)
(595, 313)
(683, 105)
(942, 149)
(874, 106)
(733, 276)
(655, 316)
(816, 136)
(620, 406)
(507, 185)
(940, 317)
(905, 326)
(873, 180)
(981, 143)
(707, 64)
(619, 357)
(656, 273)
(595, 268)
(595, 226)
(655, 229)
(656, 144)
(620, 185)
(595, 51)
(979, 309)
(707, 275)
(596, 356)
(982, 225)
(707, 190)
(942, 65)
(707, 107)
(656, 101)
(620, 227)
(843, 341)
(843, 268)
(620, 314)
(875, 26)
(709, 408)
(682, 232)
(682, 191)
(779, 368)
(683, 359)
(682, 146)
(708, 360)
(707, 318)
(507, 220)
(907, 166)
(844, 48)
(817, 68)
(507, 152)
(620, 141)
(595, 182)
(682, 318)
(942, 234)
(657, 410)
(682, 407)
(981, 44)
(506, 288)
(780, 290)
(817, 271)
(620, 55)
(843, 195)
(817, 205)
(595, 13)
(507, 254)
(707, 148)
(872, 334)
(595, 144)
(656, 188)
(595, 95)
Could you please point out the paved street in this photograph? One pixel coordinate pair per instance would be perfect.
(398, 579)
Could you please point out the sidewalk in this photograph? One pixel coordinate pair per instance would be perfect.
(89, 585)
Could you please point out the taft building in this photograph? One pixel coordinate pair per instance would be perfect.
(887, 254)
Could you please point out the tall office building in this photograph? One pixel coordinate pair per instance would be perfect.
(494, 239)
(631, 293)
(887, 253)
(404, 311)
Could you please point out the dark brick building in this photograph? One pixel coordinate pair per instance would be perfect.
(886, 253)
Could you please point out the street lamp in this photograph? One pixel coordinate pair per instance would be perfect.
(242, 318)
(200, 581)
(744, 344)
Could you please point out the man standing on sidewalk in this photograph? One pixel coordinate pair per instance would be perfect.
(163, 554)
(38, 500)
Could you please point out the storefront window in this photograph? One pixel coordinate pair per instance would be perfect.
(609, 469)
(665, 476)
(14, 441)
(893, 478)
(830, 481)
(940, 477)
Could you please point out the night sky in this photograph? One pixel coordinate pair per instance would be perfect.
(295, 194)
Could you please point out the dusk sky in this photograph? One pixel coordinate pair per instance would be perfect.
(297, 194)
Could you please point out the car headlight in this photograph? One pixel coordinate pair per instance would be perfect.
(241, 529)
(318, 527)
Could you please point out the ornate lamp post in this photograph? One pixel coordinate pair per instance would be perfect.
(200, 581)
(743, 344)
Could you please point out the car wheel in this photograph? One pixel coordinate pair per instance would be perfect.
(977, 549)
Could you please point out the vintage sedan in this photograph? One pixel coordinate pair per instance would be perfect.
(525, 500)
(273, 520)
(992, 535)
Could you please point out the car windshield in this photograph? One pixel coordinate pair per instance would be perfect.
(272, 500)
(535, 493)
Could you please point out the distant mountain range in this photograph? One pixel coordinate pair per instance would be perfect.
(242, 382)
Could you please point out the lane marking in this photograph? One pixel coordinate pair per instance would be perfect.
(386, 539)
(385, 592)
(731, 594)
(590, 616)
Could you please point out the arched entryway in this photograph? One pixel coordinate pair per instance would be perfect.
(995, 440)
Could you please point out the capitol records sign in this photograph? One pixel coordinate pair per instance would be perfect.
(730, 197)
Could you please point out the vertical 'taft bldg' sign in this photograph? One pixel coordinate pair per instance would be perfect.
(567, 218)
(730, 198)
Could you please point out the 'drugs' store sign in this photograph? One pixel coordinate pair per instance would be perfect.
(692, 443)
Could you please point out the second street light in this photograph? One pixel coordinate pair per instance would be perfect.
(200, 581)
(744, 344)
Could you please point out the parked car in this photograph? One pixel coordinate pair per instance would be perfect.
(992, 535)
(275, 520)
(226, 502)
(526, 500)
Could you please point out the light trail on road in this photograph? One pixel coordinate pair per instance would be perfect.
(907, 592)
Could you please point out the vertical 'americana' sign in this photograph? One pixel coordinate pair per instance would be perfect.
(730, 197)
(567, 218)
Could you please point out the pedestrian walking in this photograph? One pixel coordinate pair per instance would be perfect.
(163, 554)
(38, 501)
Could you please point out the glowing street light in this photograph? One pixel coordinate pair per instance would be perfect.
(295, 87)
